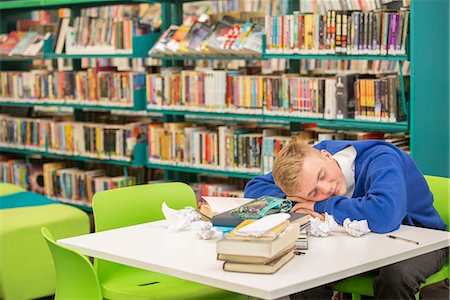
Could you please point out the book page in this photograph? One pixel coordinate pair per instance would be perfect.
(223, 204)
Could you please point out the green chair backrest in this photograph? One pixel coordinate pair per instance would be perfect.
(440, 187)
(134, 205)
(75, 275)
(138, 204)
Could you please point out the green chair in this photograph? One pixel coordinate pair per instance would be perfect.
(363, 284)
(136, 205)
(75, 275)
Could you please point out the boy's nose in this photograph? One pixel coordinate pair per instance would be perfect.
(324, 187)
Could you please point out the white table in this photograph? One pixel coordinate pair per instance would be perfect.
(152, 247)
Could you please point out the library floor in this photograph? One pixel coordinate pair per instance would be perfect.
(438, 291)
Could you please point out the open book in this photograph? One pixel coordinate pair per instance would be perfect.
(218, 205)
(256, 209)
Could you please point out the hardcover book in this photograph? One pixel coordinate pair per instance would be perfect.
(245, 259)
(269, 268)
(257, 209)
(259, 247)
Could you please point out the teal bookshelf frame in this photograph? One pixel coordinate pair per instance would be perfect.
(44, 4)
(264, 118)
(20, 58)
(430, 95)
(207, 57)
(138, 155)
(138, 104)
(199, 170)
(48, 4)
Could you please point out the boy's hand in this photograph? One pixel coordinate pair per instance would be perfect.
(307, 207)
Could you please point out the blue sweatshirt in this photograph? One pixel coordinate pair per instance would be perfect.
(389, 189)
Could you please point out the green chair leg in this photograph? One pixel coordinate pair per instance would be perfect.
(356, 297)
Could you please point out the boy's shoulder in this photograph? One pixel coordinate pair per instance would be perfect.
(360, 146)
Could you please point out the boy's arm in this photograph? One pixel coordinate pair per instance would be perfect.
(383, 205)
(263, 186)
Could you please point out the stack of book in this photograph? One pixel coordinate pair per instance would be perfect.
(264, 254)
(199, 36)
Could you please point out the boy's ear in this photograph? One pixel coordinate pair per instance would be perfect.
(326, 154)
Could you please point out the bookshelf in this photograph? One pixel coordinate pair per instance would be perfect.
(10, 11)
(426, 53)
(428, 107)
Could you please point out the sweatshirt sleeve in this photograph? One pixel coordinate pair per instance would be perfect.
(383, 205)
(263, 186)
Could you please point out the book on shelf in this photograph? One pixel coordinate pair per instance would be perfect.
(25, 41)
(259, 247)
(264, 268)
(36, 45)
(11, 41)
(166, 36)
(253, 43)
(36, 178)
(62, 29)
(173, 45)
(335, 31)
(197, 35)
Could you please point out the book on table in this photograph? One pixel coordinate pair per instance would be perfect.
(266, 234)
(259, 246)
(246, 259)
(216, 205)
(254, 246)
(268, 268)
(256, 209)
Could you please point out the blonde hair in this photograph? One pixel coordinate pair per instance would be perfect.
(288, 165)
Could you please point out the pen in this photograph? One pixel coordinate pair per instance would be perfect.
(403, 239)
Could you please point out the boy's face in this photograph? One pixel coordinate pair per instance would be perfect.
(321, 178)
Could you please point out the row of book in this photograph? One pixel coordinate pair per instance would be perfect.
(63, 182)
(229, 36)
(269, 7)
(27, 38)
(59, 181)
(324, 66)
(98, 30)
(322, 6)
(339, 97)
(94, 140)
(216, 190)
(79, 186)
(22, 43)
(213, 89)
(230, 148)
(356, 33)
(95, 86)
(18, 172)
